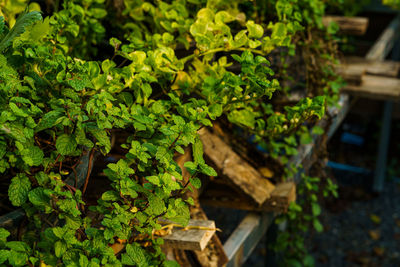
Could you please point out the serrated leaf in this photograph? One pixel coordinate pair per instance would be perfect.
(154, 180)
(102, 138)
(243, 117)
(4, 234)
(18, 246)
(18, 189)
(33, 156)
(110, 196)
(156, 205)
(66, 144)
(196, 182)
(198, 151)
(24, 20)
(83, 260)
(59, 248)
(17, 258)
(207, 170)
(38, 197)
(134, 255)
(4, 254)
(48, 120)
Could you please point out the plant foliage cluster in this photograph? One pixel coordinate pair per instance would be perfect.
(158, 71)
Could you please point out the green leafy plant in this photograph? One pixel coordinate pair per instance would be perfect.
(169, 69)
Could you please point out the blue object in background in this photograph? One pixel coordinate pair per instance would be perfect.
(345, 167)
(352, 139)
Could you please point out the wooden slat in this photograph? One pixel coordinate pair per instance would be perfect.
(281, 197)
(376, 87)
(232, 166)
(352, 69)
(213, 254)
(191, 239)
(348, 25)
(385, 42)
(246, 236)
(361, 65)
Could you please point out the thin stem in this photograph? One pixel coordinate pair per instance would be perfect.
(91, 156)
(216, 50)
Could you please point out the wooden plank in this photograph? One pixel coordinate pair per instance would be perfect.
(281, 197)
(348, 25)
(231, 165)
(246, 236)
(213, 254)
(191, 238)
(376, 87)
(352, 69)
(385, 42)
(361, 65)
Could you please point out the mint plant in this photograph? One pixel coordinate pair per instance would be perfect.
(170, 68)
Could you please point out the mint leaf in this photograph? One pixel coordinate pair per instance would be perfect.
(196, 182)
(38, 197)
(4, 255)
(4, 234)
(48, 120)
(33, 156)
(134, 255)
(66, 145)
(18, 189)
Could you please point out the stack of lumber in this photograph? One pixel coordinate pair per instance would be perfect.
(374, 77)
(370, 78)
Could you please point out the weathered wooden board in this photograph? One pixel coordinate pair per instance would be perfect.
(386, 68)
(192, 238)
(231, 165)
(281, 197)
(348, 25)
(385, 42)
(213, 254)
(376, 87)
(353, 68)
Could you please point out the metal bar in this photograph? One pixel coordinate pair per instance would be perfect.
(381, 161)
(380, 166)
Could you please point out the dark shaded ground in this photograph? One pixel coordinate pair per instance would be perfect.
(361, 228)
(363, 231)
